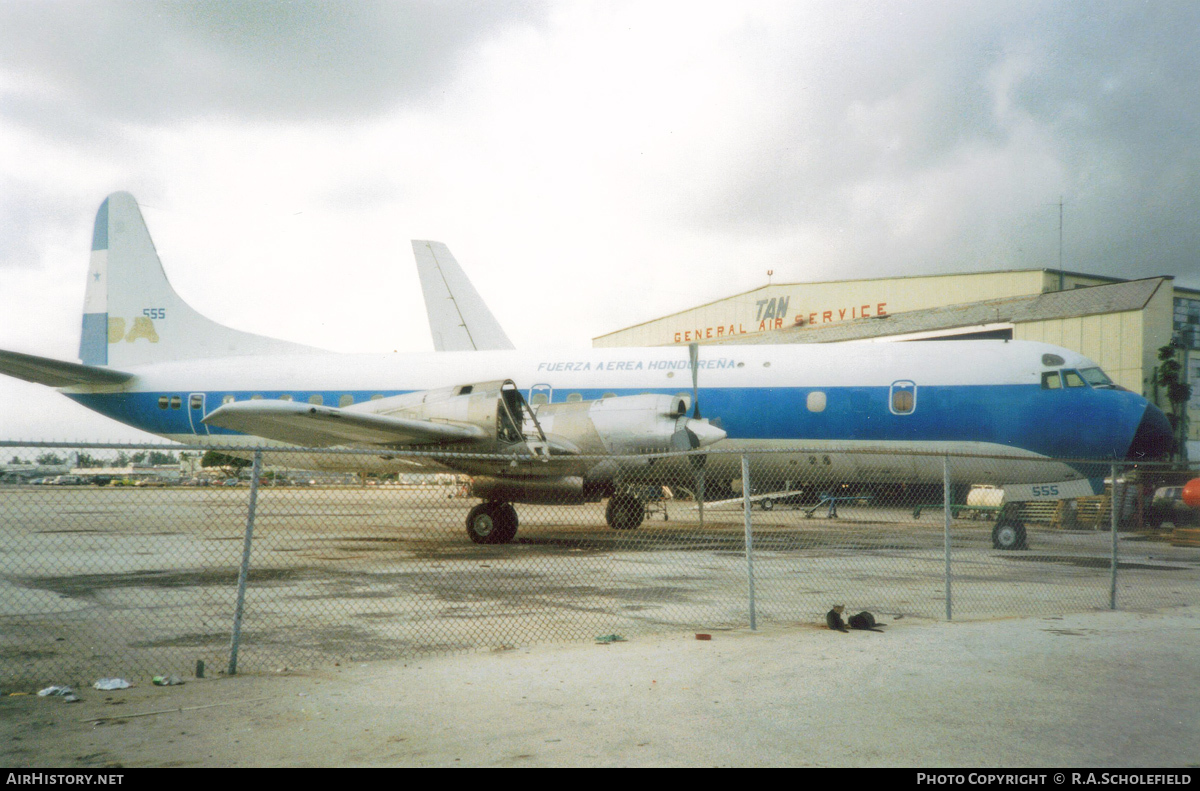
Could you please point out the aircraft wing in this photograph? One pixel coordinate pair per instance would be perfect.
(321, 426)
(459, 320)
(57, 373)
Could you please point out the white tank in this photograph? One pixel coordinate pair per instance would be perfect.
(985, 495)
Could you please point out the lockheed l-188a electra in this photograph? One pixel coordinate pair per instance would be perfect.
(149, 360)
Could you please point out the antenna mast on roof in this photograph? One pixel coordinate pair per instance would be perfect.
(1060, 243)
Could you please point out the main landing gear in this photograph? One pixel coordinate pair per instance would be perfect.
(624, 512)
(492, 523)
(496, 523)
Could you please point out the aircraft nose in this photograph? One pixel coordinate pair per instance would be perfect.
(1154, 438)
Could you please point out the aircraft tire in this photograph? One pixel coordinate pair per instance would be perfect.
(1009, 536)
(624, 512)
(507, 516)
(492, 523)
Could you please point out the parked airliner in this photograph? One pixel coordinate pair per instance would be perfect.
(151, 361)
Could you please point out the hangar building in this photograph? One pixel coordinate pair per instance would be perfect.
(1121, 324)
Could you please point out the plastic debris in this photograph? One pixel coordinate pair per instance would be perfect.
(167, 681)
(702, 636)
(605, 639)
(112, 683)
(66, 693)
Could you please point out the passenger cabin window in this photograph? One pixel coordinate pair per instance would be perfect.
(163, 402)
(285, 397)
(176, 402)
(377, 397)
(903, 398)
(346, 400)
(574, 397)
(1073, 379)
(316, 399)
(539, 399)
(196, 401)
(229, 399)
(1051, 381)
(816, 401)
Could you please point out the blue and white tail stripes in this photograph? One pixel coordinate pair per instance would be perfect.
(93, 341)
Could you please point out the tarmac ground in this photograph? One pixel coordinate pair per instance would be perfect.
(379, 602)
(1100, 689)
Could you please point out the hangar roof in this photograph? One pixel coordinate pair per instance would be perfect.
(930, 276)
(1114, 298)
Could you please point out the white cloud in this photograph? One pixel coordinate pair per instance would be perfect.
(592, 165)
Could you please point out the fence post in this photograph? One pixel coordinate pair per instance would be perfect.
(749, 540)
(946, 528)
(244, 573)
(1114, 519)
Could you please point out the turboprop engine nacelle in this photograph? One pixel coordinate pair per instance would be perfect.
(645, 423)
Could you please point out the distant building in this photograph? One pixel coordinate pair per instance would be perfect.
(162, 473)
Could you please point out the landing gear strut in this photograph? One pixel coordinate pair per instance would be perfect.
(492, 523)
(624, 512)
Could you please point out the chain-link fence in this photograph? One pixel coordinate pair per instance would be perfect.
(350, 560)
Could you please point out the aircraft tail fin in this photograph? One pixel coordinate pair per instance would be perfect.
(459, 320)
(132, 316)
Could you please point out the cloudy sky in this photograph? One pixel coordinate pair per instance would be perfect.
(591, 165)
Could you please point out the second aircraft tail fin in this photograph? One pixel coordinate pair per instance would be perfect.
(459, 319)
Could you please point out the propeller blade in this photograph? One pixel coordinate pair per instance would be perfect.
(694, 359)
(683, 441)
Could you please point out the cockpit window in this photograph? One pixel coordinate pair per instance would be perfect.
(1051, 381)
(1096, 378)
(1073, 379)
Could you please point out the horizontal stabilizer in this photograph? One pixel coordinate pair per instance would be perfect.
(321, 426)
(57, 373)
(459, 319)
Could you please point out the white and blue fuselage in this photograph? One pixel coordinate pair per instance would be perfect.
(981, 397)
